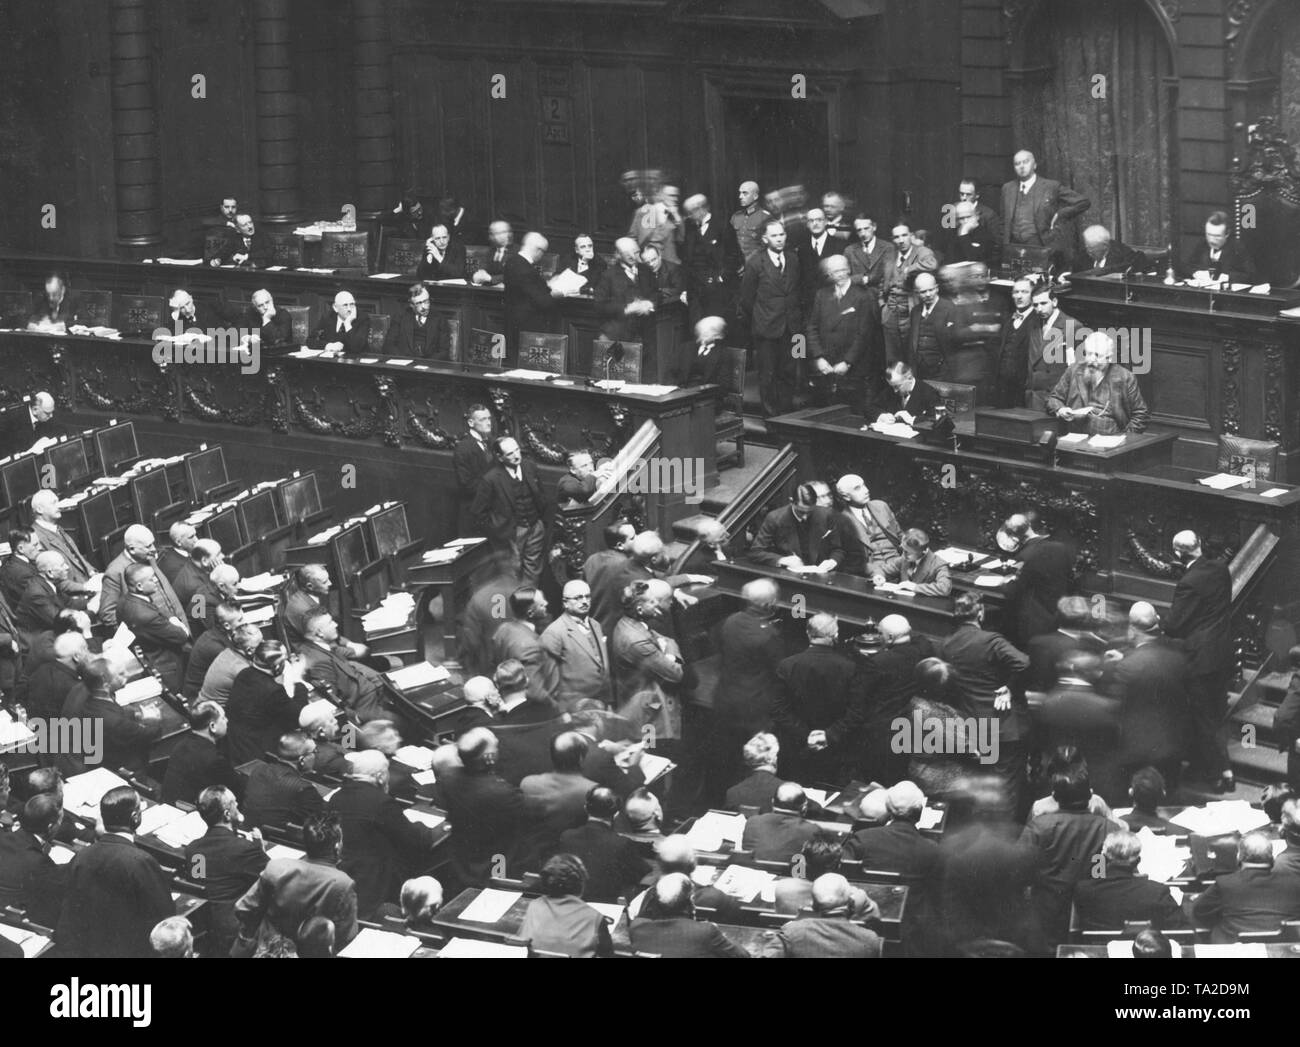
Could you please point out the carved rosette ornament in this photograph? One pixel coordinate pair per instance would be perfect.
(1238, 14)
(1274, 379)
(427, 430)
(1231, 387)
(538, 440)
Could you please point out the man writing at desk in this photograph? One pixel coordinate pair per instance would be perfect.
(1219, 258)
(801, 535)
(1097, 395)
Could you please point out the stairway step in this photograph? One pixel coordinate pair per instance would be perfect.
(1260, 715)
(1260, 763)
(1275, 683)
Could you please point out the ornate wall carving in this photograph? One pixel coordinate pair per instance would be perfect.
(1231, 409)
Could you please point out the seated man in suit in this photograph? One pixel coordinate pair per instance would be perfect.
(493, 271)
(83, 577)
(1104, 903)
(172, 557)
(614, 863)
(308, 591)
(802, 534)
(276, 792)
(820, 855)
(138, 546)
(265, 701)
(559, 921)
(194, 588)
(559, 797)
(1103, 254)
(358, 688)
(227, 616)
(196, 762)
(1256, 897)
(417, 334)
(19, 567)
(229, 663)
(128, 731)
(584, 261)
(829, 932)
(916, 569)
(759, 788)
(164, 640)
(1219, 258)
(710, 358)
(666, 926)
(778, 835)
(274, 327)
(29, 879)
(42, 600)
(870, 532)
(443, 259)
(225, 861)
(898, 846)
(242, 247)
(581, 481)
(905, 398)
(342, 332)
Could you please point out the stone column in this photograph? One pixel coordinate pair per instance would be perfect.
(277, 117)
(135, 131)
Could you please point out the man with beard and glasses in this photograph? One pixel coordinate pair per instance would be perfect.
(1097, 395)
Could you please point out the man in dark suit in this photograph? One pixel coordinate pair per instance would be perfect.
(816, 244)
(625, 296)
(29, 878)
(666, 280)
(1257, 897)
(985, 666)
(1044, 577)
(868, 528)
(513, 508)
(517, 639)
(711, 258)
(418, 334)
(19, 566)
(274, 327)
(845, 341)
(1200, 617)
(758, 788)
(898, 846)
(885, 684)
(226, 862)
(127, 732)
(196, 762)
(470, 460)
(903, 396)
(604, 571)
(666, 926)
(342, 332)
(934, 331)
(903, 265)
(1019, 331)
(1073, 633)
(614, 863)
(1105, 902)
(1218, 257)
(381, 847)
(559, 796)
(242, 247)
(1051, 348)
(410, 219)
(778, 835)
(49, 683)
(493, 270)
(975, 226)
(226, 618)
(709, 358)
(194, 590)
(1103, 254)
(1036, 210)
(164, 640)
(42, 600)
(815, 711)
(530, 303)
(828, 932)
(116, 891)
(488, 816)
(265, 700)
(276, 792)
(443, 258)
(172, 557)
(53, 537)
(801, 534)
(868, 256)
(139, 546)
(328, 665)
(584, 262)
(769, 297)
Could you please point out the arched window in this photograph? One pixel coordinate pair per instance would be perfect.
(1092, 98)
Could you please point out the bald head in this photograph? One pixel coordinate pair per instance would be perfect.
(823, 629)
(50, 563)
(45, 504)
(790, 796)
(905, 801)
(875, 806)
(70, 648)
(627, 250)
(646, 547)
(1187, 544)
(895, 628)
(760, 594)
(672, 894)
(534, 246)
(480, 690)
(316, 714)
(182, 535)
(925, 282)
(835, 269)
(710, 329)
(675, 853)
(368, 765)
(1143, 618)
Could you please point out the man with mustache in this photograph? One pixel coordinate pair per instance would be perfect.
(1097, 395)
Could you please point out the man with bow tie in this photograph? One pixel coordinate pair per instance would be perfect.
(1039, 211)
(493, 270)
(769, 297)
(343, 332)
(845, 342)
(443, 259)
(1219, 257)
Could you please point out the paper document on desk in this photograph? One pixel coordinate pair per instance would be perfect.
(307, 354)
(523, 372)
(372, 944)
(568, 282)
(1223, 481)
(440, 556)
(424, 777)
(468, 949)
(260, 583)
(1220, 818)
(456, 281)
(285, 852)
(955, 554)
(821, 797)
(930, 818)
(418, 756)
(457, 543)
(154, 818)
(1120, 950)
(399, 361)
(179, 261)
(140, 690)
(1262, 289)
(1105, 443)
(713, 827)
(1163, 859)
(894, 588)
(742, 882)
(14, 734)
(421, 674)
(655, 767)
(649, 390)
(991, 581)
(490, 905)
(1272, 492)
(417, 817)
(1238, 950)
(61, 855)
(82, 792)
(30, 942)
(899, 429)
(183, 831)
(385, 276)
(258, 615)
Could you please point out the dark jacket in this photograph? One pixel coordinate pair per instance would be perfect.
(259, 713)
(1033, 594)
(779, 536)
(770, 298)
(823, 937)
(194, 765)
(355, 341)
(30, 879)
(406, 338)
(1067, 843)
(776, 836)
(896, 847)
(921, 402)
(470, 462)
(1104, 903)
(226, 863)
(614, 292)
(1200, 616)
(452, 266)
(1234, 262)
(529, 302)
(211, 642)
(494, 503)
(277, 794)
(815, 695)
(595, 269)
(982, 662)
(758, 790)
(847, 330)
(1251, 899)
(488, 817)
(117, 893)
(48, 687)
(614, 863)
(947, 329)
(163, 642)
(126, 737)
(680, 937)
(381, 847)
(751, 648)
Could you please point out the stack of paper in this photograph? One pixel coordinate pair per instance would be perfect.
(393, 613)
(523, 372)
(895, 588)
(421, 674)
(490, 905)
(418, 756)
(321, 537)
(468, 949)
(821, 797)
(428, 818)
(991, 581)
(154, 818)
(654, 766)
(183, 831)
(385, 276)
(898, 429)
(742, 882)
(649, 390)
(713, 827)
(307, 354)
(285, 852)
(440, 556)
(14, 734)
(1221, 818)
(1239, 950)
(955, 554)
(260, 583)
(930, 817)
(457, 543)
(1105, 443)
(372, 944)
(30, 942)
(1223, 481)
(1162, 858)
(82, 792)
(179, 261)
(258, 615)
(140, 690)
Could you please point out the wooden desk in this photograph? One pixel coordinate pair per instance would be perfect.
(1272, 950)
(449, 919)
(452, 582)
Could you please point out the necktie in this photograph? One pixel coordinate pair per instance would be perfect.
(516, 477)
(631, 273)
(1214, 256)
(704, 349)
(780, 263)
(420, 319)
(704, 228)
(501, 253)
(1024, 188)
(925, 313)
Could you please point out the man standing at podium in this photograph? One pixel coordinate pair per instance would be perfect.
(1097, 395)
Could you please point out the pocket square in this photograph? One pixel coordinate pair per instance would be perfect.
(850, 309)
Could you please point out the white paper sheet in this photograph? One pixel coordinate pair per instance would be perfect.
(490, 905)
(419, 674)
(372, 944)
(468, 949)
